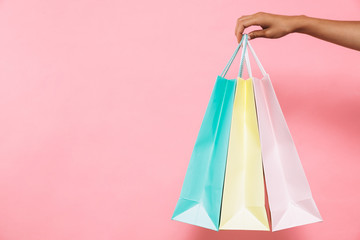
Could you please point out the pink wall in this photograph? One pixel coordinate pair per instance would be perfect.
(101, 102)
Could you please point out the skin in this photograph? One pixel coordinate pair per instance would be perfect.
(344, 33)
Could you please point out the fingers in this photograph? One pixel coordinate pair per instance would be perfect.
(239, 28)
(273, 26)
(244, 22)
(258, 34)
(238, 31)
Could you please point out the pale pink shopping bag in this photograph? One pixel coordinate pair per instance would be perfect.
(290, 200)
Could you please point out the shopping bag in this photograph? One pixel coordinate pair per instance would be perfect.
(243, 202)
(289, 195)
(200, 198)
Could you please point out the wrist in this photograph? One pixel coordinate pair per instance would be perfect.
(300, 23)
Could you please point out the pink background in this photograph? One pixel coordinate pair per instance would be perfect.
(101, 102)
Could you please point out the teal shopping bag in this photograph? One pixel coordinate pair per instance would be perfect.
(200, 198)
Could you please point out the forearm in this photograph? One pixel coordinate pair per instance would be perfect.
(344, 33)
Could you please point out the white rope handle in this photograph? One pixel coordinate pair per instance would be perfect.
(257, 60)
(247, 61)
(241, 67)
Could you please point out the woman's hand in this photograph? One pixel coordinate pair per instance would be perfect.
(273, 26)
(344, 33)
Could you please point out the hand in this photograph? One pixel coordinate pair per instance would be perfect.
(273, 26)
(343, 33)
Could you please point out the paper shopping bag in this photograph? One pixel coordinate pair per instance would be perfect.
(243, 204)
(289, 195)
(201, 194)
(200, 197)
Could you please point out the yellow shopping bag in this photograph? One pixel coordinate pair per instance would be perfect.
(243, 201)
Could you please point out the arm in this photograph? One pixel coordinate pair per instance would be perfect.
(344, 33)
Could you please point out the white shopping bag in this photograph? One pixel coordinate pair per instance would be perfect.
(290, 200)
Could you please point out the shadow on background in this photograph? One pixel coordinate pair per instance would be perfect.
(205, 234)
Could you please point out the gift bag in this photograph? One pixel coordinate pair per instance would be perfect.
(243, 202)
(290, 199)
(200, 198)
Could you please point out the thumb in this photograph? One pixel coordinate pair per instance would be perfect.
(257, 34)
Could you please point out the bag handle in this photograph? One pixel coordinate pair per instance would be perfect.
(247, 61)
(233, 57)
(257, 60)
(245, 37)
(245, 56)
(231, 60)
